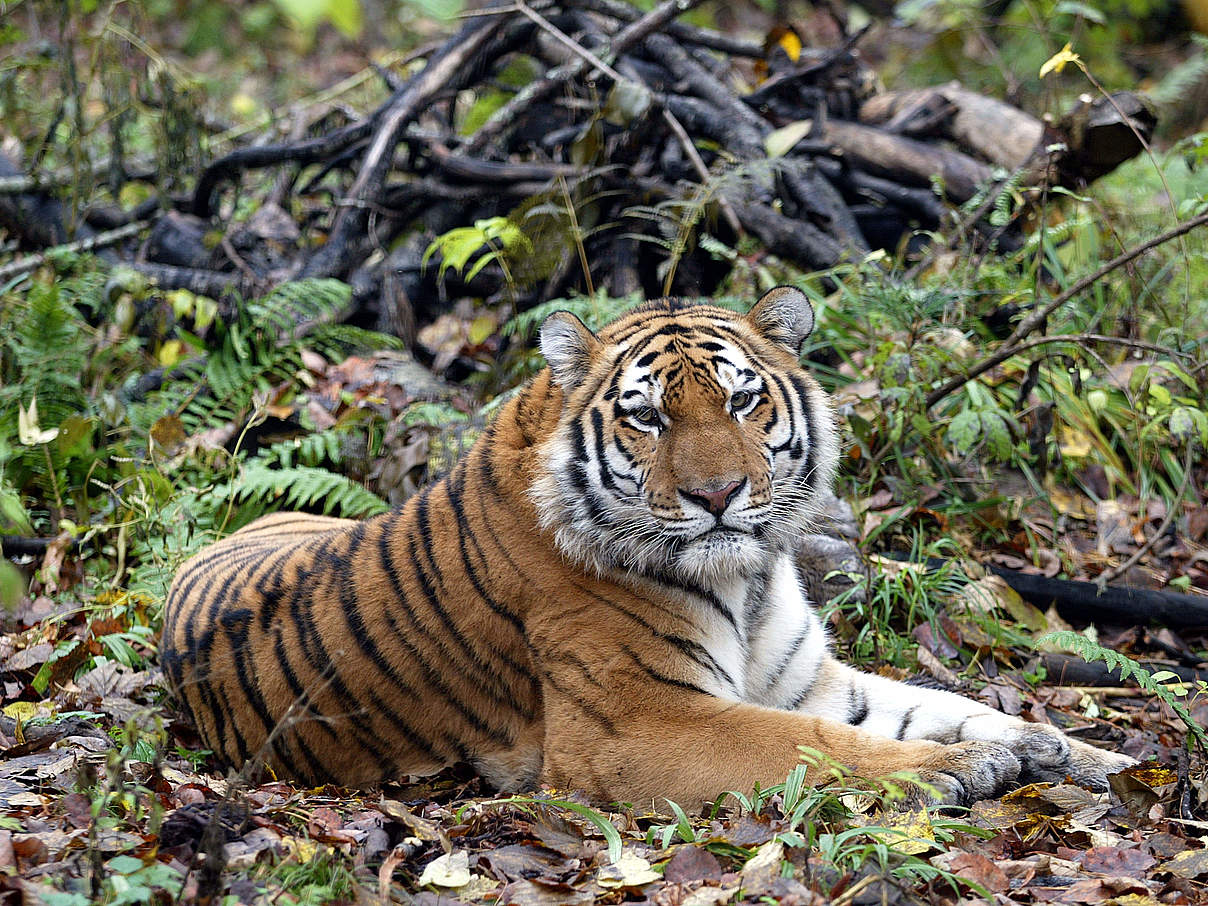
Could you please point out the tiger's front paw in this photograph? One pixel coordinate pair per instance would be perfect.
(1040, 748)
(964, 772)
(1045, 753)
(1088, 766)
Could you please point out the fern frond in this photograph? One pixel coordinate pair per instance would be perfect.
(299, 303)
(303, 487)
(337, 341)
(308, 450)
(1090, 650)
(1183, 80)
(594, 311)
(1054, 235)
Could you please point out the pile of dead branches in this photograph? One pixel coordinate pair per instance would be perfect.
(627, 138)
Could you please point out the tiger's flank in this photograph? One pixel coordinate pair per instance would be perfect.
(601, 595)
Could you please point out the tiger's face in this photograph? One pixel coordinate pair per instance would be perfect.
(691, 440)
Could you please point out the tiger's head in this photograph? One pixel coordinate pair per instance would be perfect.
(690, 438)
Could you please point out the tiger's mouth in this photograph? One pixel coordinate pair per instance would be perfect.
(721, 534)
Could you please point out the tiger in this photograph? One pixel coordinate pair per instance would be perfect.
(599, 596)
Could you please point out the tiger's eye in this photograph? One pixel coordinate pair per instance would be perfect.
(741, 399)
(646, 416)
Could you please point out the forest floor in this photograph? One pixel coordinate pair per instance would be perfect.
(137, 422)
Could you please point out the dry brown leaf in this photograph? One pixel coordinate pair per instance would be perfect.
(1190, 864)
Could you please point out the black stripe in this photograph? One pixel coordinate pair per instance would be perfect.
(660, 677)
(499, 690)
(432, 676)
(315, 652)
(901, 732)
(786, 659)
(350, 605)
(688, 647)
(301, 704)
(236, 624)
(707, 595)
(811, 431)
(801, 696)
(578, 701)
(857, 704)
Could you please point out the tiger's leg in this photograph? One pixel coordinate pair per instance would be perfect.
(901, 711)
(619, 736)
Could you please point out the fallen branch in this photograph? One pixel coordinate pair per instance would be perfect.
(448, 69)
(1071, 670)
(1120, 605)
(636, 118)
(91, 244)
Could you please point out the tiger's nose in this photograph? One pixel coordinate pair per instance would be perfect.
(713, 498)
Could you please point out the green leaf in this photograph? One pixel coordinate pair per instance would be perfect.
(601, 822)
(75, 436)
(780, 142)
(125, 865)
(345, 15)
(1138, 378)
(1181, 423)
(964, 430)
(626, 102)
(1087, 12)
(305, 13)
(683, 825)
(998, 435)
(13, 517)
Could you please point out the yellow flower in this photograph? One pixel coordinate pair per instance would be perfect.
(1056, 63)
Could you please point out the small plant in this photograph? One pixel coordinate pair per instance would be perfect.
(1153, 683)
(128, 880)
(680, 829)
(876, 617)
(501, 237)
(528, 803)
(325, 877)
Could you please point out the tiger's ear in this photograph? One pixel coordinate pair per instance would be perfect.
(784, 315)
(568, 346)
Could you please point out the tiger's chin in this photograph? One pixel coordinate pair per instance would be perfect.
(721, 554)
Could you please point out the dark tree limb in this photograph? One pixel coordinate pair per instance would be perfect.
(307, 151)
(215, 284)
(907, 160)
(1070, 670)
(691, 34)
(705, 85)
(449, 68)
(802, 243)
(539, 90)
(1120, 605)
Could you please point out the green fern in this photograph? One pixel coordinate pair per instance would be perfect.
(1183, 80)
(44, 354)
(290, 308)
(308, 450)
(259, 351)
(1090, 650)
(1008, 194)
(678, 219)
(595, 311)
(301, 487)
(1054, 235)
